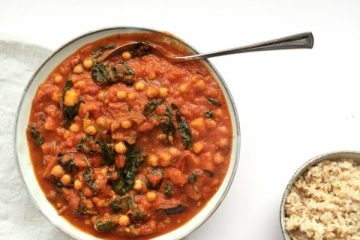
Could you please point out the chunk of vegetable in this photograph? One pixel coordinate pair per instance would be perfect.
(105, 226)
(35, 134)
(126, 175)
(103, 74)
(179, 209)
(214, 102)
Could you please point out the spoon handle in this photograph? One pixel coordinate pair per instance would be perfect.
(301, 40)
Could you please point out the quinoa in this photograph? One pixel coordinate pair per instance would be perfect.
(324, 203)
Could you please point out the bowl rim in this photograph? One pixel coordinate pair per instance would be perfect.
(235, 131)
(332, 156)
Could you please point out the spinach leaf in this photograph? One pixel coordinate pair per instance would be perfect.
(107, 153)
(35, 135)
(179, 209)
(151, 106)
(100, 51)
(105, 226)
(185, 133)
(81, 211)
(168, 190)
(141, 48)
(102, 74)
(68, 165)
(209, 114)
(115, 206)
(68, 85)
(88, 178)
(87, 145)
(208, 173)
(176, 109)
(105, 75)
(214, 102)
(90, 145)
(192, 178)
(136, 215)
(126, 175)
(183, 128)
(159, 174)
(69, 112)
(167, 126)
(122, 204)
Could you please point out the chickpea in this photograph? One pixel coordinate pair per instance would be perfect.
(198, 123)
(223, 130)
(126, 124)
(91, 130)
(88, 63)
(163, 92)
(153, 160)
(132, 96)
(165, 158)
(210, 123)
(88, 192)
(58, 78)
(223, 142)
(152, 92)
(161, 137)
(66, 134)
(71, 98)
(101, 121)
(57, 171)
(87, 122)
(49, 124)
(126, 55)
(79, 85)
(104, 171)
(56, 96)
(120, 148)
(198, 147)
(78, 69)
(200, 85)
(174, 152)
(101, 203)
(101, 95)
(66, 179)
(139, 86)
(151, 196)
(218, 158)
(89, 204)
(121, 94)
(124, 220)
(184, 88)
(77, 184)
(74, 128)
(151, 75)
(218, 113)
(114, 126)
(138, 185)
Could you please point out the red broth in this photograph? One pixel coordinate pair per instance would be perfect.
(131, 147)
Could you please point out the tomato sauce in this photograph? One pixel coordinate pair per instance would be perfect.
(134, 146)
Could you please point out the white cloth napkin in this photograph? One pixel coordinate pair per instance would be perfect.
(19, 218)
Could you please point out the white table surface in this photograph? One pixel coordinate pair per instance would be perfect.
(293, 105)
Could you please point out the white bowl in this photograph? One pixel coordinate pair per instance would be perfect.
(23, 156)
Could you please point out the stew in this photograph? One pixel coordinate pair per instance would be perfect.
(134, 146)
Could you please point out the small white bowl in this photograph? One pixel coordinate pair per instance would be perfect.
(22, 150)
(333, 156)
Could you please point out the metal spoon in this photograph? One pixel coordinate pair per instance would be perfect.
(302, 40)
